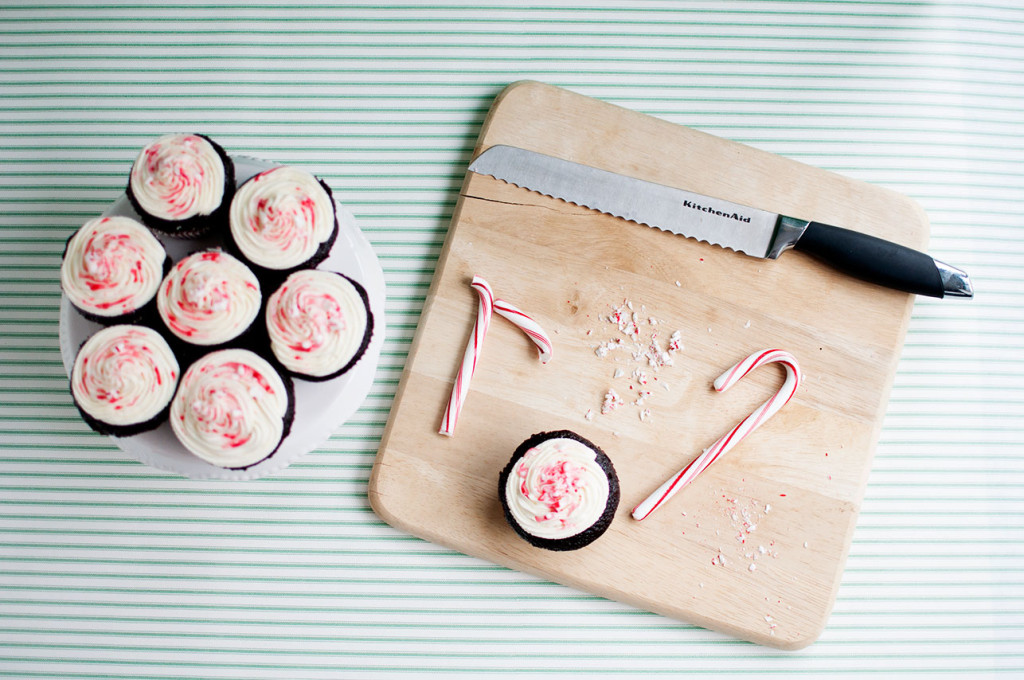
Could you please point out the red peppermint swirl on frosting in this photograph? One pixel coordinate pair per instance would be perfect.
(124, 375)
(280, 217)
(557, 489)
(178, 176)
(209, 298)
(112, 266)
(316, 321)
(230, 408)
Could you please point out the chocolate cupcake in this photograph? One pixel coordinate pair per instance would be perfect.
(232, 409)
(182, 185)
(559, 491)
(209, 300)
(319, 324)
(111, 270)
(123, 379)
(282, 220)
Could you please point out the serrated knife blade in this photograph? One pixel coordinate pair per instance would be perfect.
(752, 231)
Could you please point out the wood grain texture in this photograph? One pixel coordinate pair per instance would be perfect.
(755, 547)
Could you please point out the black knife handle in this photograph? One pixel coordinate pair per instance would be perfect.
(872, 259)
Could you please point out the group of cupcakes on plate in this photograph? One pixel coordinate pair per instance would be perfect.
(214, 341)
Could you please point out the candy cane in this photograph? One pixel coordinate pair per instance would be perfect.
(736, 434)
(527, 325)
(470, 358)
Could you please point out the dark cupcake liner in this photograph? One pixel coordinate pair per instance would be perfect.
(587, 536)
(199, 225)
(132, 429)
(367, 336)
(253, 338)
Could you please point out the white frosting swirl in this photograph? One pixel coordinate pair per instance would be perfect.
(209, 298)
(112, 266)
(280, 217)
(124, 375)
(230, 408)
(178, 176)
(557, 489)
(316, 321)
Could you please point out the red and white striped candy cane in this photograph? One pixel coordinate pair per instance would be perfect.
(736, 434)
(528, 326)
(470, 358)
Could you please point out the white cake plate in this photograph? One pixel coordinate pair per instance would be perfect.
(320, 407)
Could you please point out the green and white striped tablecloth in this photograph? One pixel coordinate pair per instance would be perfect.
(111, 569)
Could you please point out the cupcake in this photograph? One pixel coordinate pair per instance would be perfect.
(232, 409)
(319, 324)
(182, 184)
(209, 299)
(111, 270)
(282, 220)
(123, 379)
(559, 491)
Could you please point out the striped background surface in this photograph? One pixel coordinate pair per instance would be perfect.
(110, 569)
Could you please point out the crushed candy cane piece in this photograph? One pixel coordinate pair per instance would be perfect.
(612, 401)
(639, 339)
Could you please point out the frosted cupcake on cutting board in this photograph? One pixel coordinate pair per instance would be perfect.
(559, 491)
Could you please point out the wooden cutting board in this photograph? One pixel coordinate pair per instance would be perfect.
(755, 546)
